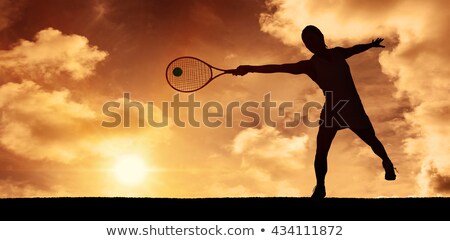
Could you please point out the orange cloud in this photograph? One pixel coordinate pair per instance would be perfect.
(10, 189)
(35, 122)
(264, 163)
(51, 55)
(267, 148)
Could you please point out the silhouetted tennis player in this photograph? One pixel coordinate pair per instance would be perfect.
(342, 108)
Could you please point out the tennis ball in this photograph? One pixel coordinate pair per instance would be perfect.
(177, 72)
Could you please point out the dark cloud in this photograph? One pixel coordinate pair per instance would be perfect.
(440, 182)
(18, 174)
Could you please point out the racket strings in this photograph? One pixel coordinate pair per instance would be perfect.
(188, 74)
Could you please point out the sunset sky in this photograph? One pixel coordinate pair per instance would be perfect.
(61, 61)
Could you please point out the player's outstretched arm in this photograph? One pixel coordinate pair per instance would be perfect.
(359, 48)
(301, 67)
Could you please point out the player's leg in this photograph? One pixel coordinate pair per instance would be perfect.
(324, 138)
(369, 137)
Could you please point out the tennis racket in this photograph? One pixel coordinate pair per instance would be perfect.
(188, 74)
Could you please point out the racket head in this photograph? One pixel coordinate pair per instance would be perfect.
(188, 74)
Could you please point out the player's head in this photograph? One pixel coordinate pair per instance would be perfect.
(313, 39)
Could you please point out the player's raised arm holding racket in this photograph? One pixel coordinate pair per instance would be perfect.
(189, 74)
(302, 67)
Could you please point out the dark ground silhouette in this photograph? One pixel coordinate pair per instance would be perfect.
(244, 209)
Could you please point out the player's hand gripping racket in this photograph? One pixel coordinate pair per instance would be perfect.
(188, 74)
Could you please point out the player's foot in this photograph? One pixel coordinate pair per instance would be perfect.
(389, 171)
(319, 192)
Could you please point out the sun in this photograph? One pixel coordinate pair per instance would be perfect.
(130, 169)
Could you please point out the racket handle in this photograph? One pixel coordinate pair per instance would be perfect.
(229, 71)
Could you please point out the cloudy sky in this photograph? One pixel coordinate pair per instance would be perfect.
(61, 61)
